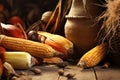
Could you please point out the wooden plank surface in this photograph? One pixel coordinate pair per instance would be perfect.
(50, 72)
(112, 73)
(86, 74)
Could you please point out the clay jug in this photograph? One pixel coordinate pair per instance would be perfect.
(80, 26)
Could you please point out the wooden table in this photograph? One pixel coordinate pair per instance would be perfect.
(50, 72)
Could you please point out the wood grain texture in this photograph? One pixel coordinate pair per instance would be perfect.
(50, 72)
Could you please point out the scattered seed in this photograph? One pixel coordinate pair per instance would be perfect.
(70, 75)
(106, 65)
(14, 78)
(36, 71)
(23, 73)
(61, 72)
(62, 64)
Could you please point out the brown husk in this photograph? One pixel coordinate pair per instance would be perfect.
(110, 30)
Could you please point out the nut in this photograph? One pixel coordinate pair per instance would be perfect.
(62, 64)
(61, 72)
(70, 75)
(23, 73)
(36, 70)
(14, 78)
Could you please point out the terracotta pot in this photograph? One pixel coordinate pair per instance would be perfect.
(80, 27)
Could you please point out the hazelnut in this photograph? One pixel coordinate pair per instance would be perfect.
(23, 73)
(61, 72)
(36, 71)
(62, 64)
(70, 75)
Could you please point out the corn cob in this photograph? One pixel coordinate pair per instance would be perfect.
(1, 68)
(36, 49)
(93, 57)
(53, 60)
(33, 35)
(19, 60)
(68, 45)
(57, 47)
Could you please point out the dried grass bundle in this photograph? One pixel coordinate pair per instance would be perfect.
(110, 30)
(111, 18)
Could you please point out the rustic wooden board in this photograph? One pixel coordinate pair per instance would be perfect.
(50, 72)
(86, 74)
(112, 73)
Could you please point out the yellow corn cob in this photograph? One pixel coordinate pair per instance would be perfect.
(19, 60)
(68, 45)
(36, 49)
(93, 57)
